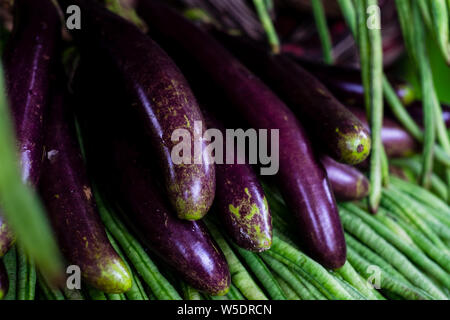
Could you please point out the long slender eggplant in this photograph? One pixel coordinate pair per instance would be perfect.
(160, 95)
(347, 182)
(27, 59)
(396, 140)
(301, 177)
(66, 191)
(240, 201)
(4, 281)
(127, 171)
(337, 130)
(346, 84)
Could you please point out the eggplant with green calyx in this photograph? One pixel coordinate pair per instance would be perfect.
(159, 94)
(67, 194)
(335, 129)
(347, 182)
(301, 177)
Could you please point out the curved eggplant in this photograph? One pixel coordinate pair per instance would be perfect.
(340, 133)
(159, 94)
(67, 195)
(301, 177)
(347, 182)
(27, 59)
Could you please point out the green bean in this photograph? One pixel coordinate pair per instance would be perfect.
(352, 277)
(322, 28)
(95, 294)
(316, 289)
(404, 13)
(287, 289)
(387, 281)
(10, 261)
(262, 273)
(190, 293)
(356, 295)
(239, 275)
(424, 10)
(72, 294)
(356, 226)
(405, 207)
(136, 292)
(348, 11)
(438, 187)
(116, 296)
(284, 273)
(20, 204)
(136, 254)
(26, 278)
(267, 24)
(297, 260)
(439, 26)
(234, 293)
(49, 292)
(373, 258)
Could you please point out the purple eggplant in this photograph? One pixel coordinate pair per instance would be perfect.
(335, 128)
(396, 140)
(159, 94)
(347, 182)
(67, 194)
(346, 84)
(184, 245)
(6, 236)
(27, 59)
(415, 109)
(301, 177)
(240, 201)
(4, 281)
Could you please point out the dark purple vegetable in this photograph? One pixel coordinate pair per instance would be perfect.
(347, 182)
(302, 179)
(415, 109)
(6, 236)
(4, 281)
(184, 245)
(27, 59)
(336, 129)
(68, 197)
(346, 84)
(240, 201)
(396, 140)
(159, 93)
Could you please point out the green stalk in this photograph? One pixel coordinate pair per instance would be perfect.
(322, 28)
(439, 25)
(267, 24)
(20, 204)
(348, 11)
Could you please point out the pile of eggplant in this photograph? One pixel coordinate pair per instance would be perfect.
(94, 109)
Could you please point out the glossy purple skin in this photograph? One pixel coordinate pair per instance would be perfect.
(337, 130)
(415, 109)
(160, 95)
(6, 236)
(240, 201)
(68, 197)
(27, 60)
(396, 140)
(346, 84)
(4, 281)
(347, 182)
(184, 245)
(301, 177)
